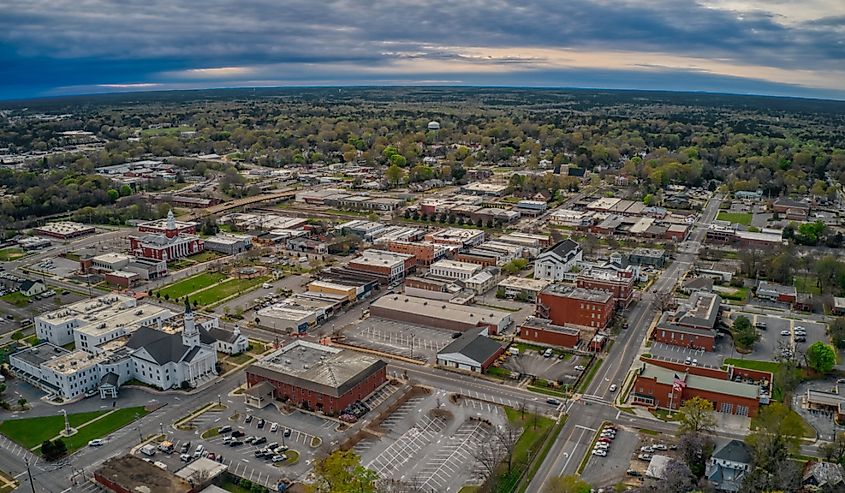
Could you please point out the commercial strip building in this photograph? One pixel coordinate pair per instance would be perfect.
(565, 305)
(522, 287)
(664, 388)
(439, 314)
(459, 237)
(692, 325)
(452, 269)
(425, 253)
(64, 230)
(317, 377)
(389, 266)
(472, 351)
(229, 244)
(776, 292)
(123, 270)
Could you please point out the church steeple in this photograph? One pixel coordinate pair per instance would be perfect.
(171, 220)
(190, 333)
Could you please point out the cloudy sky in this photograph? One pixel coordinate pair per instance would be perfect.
(778, 47)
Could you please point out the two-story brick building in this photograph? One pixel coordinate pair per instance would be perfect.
(565, 305)
(692, 326)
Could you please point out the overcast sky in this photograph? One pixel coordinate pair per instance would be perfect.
(777, 47)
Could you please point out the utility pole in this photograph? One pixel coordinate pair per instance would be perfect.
(29, 473)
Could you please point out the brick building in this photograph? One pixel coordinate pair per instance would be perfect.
(439, 314)
(692, 326)
(619, 283)
(578, 306)
(160, 247)
(318, 377)
(545, 332)
(425, 253)
(662, 388)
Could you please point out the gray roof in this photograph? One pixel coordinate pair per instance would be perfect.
(109, 379)
(473, 345)
(164, 347)
(221, 334)
(565, 248)
(40, 354)
(734, 451)
(28, 284)
(704, 283)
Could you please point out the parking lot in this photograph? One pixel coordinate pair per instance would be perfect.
(697, 356)
(411, 341)
(530, 362)
(57, 266)
(307, 434)
(771, 341)
(430, 442)
(609, 470)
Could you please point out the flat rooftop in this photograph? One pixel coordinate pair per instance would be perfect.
(41, 353)
(578, 293)
(727, 387)
(546, 324)
(455, 265)
(110, 258)
(330, 370)
(70, 363)
(381, 257)
(135, 474)
(468, 314)
(64, 227)
(515, 282)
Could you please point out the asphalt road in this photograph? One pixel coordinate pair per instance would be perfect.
(596, 404)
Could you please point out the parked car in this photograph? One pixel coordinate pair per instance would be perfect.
(602, 445)
(784, 333)
(605, 440)
(547, 353)
(281, 448)
(634, 473)
(613, 387)
(185, 447)
(92, 393)
(235, 443)
(185, 458)
(580, 368)
(237, 433)
(287, 432)
(260, 423)
(600, 453)
(224, 429)
(647, 449)
(248, 418)
(553, 402)
(279, 458)
(259, 441)
(274, 427)
(645, 457)
(259, 453)
(659, 446)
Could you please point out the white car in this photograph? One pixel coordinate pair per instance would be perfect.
(600, 453)
(96, 442)
(602, 445)
(274, 427)
(279, 458)
(613, 387)
(185, 457)
(580, 368)
(784, 332)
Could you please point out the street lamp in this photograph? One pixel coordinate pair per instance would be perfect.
(161, 428)
(219, 403)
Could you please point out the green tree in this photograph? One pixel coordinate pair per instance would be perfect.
(648, 199)
(125, 191)
(837, 332)
(394, 175)
(342, 472)
(821, 357)
(571, 483)
(697, 415)
(113, 194)
(744, 334)
(515, 266)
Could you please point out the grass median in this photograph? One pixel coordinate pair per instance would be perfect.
(191, 284)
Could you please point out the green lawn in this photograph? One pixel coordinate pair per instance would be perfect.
(807, 284)
(16, 298)
(29, 432)
(226, 289)
(495, 371)
(807, 430)
(529, 443)
(739, 294)
(743, 218)
(777, 391)
(192, 284)
(11, 253)
(232, 487)
(105, 426)
(205, 256)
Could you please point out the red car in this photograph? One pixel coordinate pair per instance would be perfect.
(605, 440)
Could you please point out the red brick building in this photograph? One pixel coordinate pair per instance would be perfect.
(620, 283)
(168, 227)
(664, 388)
(545, 332)
(319, 377)
(692, 326)
(577, 306)
(424, 253)
(160, 247)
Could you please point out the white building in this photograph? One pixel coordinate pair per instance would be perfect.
(229, 341)
(89, 323)
(553, 264)
(452, 269)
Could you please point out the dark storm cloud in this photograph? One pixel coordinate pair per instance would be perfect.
(61, 43)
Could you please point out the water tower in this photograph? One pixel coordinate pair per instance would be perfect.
(435, 126)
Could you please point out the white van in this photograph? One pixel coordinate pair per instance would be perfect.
(513, 350)
(198, 452)
(148, 450)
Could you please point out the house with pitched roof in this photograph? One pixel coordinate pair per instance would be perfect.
(554, 263)
(729, 465)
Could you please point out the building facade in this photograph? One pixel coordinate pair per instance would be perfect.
(575, 306)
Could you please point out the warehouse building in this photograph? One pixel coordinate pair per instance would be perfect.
(228, 244)
(545, 332)
(472, 351)
(439, 314)
(318, 377)
(64, 230)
